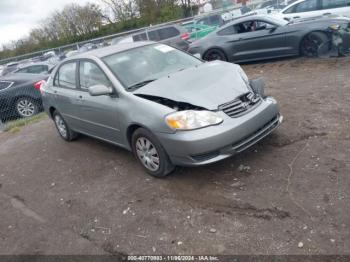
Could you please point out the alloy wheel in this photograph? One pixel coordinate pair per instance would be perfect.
(61, 126)
(147, 154)
(25, 107)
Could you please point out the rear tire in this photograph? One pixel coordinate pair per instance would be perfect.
(215, 54)
(315, 44)
(62, 128)
(26, 107)
(150, 153)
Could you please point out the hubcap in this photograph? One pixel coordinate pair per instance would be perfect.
(147, 153)
(25, 108)
(61, 127)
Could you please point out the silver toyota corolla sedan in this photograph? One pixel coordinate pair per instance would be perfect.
(169, 108)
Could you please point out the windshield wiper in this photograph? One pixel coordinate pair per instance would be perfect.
(140, 84)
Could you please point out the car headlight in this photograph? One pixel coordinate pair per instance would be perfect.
(192, 119)
(334, 27)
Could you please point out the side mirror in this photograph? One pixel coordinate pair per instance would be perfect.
(100, 90)
(272, 29)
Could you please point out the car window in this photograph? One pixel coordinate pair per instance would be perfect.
(290, 10)
(214, 20)
(252, 26)
(65, 76)
(90, 75)
(37, 69)
(203, 21)
(307, 6)
(168, 32)
(229, 30)
(22, 70)
(140, 37)
(327, 4)
(153, 35)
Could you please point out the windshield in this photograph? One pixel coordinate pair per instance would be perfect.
(278, 21)
(151, 62)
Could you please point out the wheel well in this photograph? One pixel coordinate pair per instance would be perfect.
(52, 110)
(131, 129)
(303, 38)
(215, 48)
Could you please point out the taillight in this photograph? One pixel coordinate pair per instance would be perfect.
(185, 36)
(37, 85)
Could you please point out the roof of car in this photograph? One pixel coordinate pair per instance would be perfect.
(109, 50)
(249, 17)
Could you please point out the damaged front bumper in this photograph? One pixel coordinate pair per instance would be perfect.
(234, 135)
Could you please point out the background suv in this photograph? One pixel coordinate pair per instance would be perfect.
(173, 35)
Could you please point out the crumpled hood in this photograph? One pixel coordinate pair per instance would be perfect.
(208, 85)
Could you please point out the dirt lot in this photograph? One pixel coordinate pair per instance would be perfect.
(88, 197)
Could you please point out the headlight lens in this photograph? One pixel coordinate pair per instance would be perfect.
(334, 27)
(191, 119)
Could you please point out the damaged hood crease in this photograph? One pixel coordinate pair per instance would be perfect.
(207, 86)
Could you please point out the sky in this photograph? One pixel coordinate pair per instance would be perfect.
(18, 17)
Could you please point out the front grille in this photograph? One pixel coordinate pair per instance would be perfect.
(5, 84)
(251, 139)
(240, 105)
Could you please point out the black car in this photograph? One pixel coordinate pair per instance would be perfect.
(9, 68)
(20, 95)
(259, 37)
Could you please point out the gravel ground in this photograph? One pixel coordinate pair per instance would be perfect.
(89, 197)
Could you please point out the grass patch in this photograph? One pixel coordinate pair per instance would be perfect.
(15, 126)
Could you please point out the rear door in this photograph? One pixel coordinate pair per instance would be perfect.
(258, 39)
(65, 92)
(338, 7)
(98, 115)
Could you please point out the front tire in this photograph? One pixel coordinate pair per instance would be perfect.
(150, 153)
(315, 44)
(215, 54)
(62, 128)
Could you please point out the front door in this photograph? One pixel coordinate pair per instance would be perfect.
(256, 39)
(98, 115)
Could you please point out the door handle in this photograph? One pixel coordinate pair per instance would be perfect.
(327, 13)
(79, 98)
(296, 17)
(55, 91)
